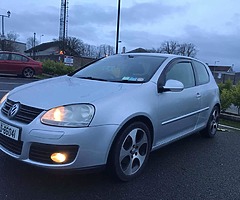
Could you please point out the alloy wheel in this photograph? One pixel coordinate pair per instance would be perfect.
(133, 151)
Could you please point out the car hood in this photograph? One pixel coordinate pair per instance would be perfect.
(66, 90)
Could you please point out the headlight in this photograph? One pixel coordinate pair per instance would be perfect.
(4, 98)
(79, 115)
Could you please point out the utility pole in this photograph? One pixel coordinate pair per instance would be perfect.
(118, 20)
(34, 44)
(63, 25)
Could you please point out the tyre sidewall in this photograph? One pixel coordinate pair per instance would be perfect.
(207, 132)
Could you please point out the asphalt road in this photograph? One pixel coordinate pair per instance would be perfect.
(9, 82)
(192, 168)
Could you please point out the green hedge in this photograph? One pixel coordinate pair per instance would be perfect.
(51, 67)
(229, 94)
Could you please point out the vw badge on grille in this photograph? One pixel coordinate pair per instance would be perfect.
(13, 110)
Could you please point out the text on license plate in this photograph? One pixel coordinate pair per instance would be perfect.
(9, 131)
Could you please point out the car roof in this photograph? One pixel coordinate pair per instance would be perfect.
(158, 55)
(168, 56)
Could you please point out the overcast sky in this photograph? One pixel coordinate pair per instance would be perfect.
(212, 25)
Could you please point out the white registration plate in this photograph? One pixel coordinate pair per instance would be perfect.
(9, 131)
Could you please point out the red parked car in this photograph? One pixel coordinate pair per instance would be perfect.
(16, 63)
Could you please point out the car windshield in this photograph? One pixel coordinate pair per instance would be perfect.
(122, 68)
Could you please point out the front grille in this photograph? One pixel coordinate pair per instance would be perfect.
(42, 152)
(26, 114)
(11, 145)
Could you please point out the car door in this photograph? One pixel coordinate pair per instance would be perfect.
(178, 111)
(18, 62)
(206, 91)
(4, 62)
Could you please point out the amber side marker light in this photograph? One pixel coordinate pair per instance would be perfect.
(59, 157)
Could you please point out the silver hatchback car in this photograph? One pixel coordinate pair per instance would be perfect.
(113, 112)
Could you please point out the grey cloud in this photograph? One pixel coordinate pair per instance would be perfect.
(41, 22)
(85, 14)
(82, 15)
(149, 12)
(215, 46)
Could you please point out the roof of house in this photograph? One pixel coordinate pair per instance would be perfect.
(221, 68)
(45, 46)
(138, 50)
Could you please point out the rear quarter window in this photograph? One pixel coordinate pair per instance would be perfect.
(202, 76)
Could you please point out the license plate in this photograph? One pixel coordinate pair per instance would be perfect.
(9, 131)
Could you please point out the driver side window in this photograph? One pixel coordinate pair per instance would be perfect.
(183, 72)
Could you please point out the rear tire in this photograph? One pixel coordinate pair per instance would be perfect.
(212, 125)
(131, 151)
(28, 72)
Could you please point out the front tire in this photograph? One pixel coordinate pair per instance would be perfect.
(212, 125)
(131, 151)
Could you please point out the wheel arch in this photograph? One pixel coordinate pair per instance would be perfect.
(218, 106)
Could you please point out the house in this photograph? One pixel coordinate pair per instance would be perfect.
(224, 73)
(220, 69)
(54, 51)
(50, 48)
(10, 45)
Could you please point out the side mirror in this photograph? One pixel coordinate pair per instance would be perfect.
(171, 85)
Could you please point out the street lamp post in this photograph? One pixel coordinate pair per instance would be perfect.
(2, 35)
(215, 65)
(8, 15)
(118, 20)
(41, 38)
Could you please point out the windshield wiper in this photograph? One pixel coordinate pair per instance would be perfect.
(93, 78)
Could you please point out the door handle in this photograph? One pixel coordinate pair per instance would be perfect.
(198, 95)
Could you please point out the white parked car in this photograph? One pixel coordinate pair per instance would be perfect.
(112, 112)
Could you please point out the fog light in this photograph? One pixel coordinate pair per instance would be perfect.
(58, 157)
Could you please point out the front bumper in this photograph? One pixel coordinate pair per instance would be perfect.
(86, 147)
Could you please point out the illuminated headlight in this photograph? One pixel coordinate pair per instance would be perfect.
(4, 98)
(79, 115)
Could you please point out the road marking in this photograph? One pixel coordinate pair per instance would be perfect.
(7, 83)
(4, 90)
(225, 126)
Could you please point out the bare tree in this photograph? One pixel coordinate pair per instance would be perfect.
(105, 50)
(187, 49)
(90, 51)
(12, 36)
(173, 47)
(170, 47)
(30, 42)
(8, 44)
(77, 45)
